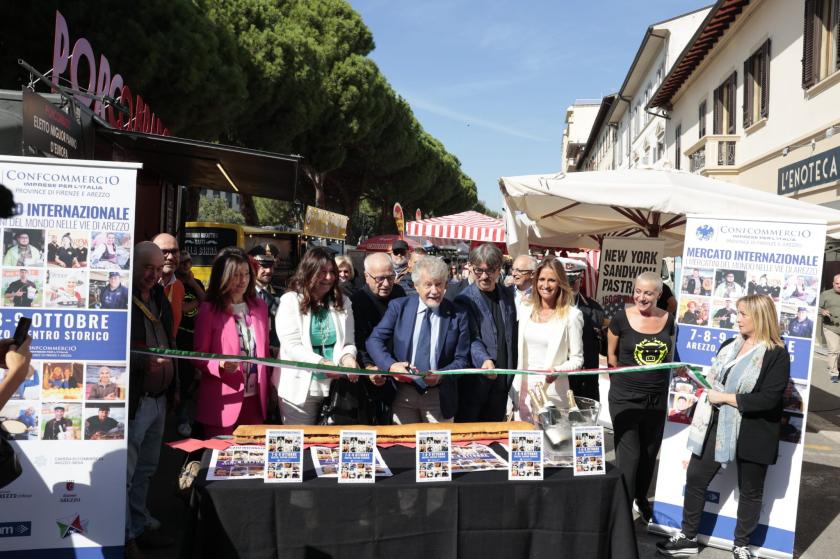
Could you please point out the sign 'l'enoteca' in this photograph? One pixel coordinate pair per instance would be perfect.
(101, 83)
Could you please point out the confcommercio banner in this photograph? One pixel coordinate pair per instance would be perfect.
(621, 261)
(66, 264)
(723, 260)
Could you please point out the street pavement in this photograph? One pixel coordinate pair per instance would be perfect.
(818, 521)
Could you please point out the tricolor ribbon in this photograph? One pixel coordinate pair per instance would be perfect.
(270, 361)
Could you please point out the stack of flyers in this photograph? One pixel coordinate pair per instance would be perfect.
(325, 460)
(356, 456)
(434, 459)
(237, 462)
(476, 457)
(526, 455)
(589, 451)
(283, 455)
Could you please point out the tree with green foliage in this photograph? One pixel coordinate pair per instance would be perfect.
(217, 210)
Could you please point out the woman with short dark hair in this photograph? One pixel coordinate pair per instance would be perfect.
(232, 320)
(314, 324)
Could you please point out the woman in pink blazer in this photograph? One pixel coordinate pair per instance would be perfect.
(232, 320)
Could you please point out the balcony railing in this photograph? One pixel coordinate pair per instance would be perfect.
(722, 146)
(697, 160)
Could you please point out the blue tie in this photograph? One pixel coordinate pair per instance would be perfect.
(422, 356)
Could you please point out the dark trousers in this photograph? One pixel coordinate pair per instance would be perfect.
(638, 424)
(481, 398)
(701, 471)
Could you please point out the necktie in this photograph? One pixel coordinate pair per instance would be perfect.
(422, 357)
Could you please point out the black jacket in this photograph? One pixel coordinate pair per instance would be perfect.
(761, 409)
(137, 372)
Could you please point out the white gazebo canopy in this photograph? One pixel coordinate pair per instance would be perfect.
(580, 209)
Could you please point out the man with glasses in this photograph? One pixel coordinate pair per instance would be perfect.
(369, 306)
(523, 278)
(492, 312)
(172, 286)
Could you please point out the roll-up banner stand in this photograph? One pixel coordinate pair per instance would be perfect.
(725, 259)
(66, 263)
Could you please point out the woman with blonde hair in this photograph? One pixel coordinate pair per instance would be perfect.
(738, 420)
(550, 336)
(639, 335)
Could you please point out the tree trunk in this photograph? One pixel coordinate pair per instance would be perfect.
(249, 210)
(318, 180)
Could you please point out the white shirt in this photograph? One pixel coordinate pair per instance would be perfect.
(418, 323)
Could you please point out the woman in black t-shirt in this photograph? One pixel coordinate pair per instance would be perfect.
(639, 335)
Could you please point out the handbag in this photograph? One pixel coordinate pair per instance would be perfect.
(348, 403)
(10, 468)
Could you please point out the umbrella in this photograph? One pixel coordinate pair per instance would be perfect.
(580, 209)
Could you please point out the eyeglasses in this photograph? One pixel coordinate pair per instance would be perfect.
(481, 271)
(382, 279)
(266, 264)
(518, 271)
(398, 252)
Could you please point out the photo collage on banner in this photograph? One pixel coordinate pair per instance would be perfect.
(66, 264)
(723, 261)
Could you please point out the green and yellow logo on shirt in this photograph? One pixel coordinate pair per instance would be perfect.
(650, 351)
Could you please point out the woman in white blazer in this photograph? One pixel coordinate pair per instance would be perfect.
(550, 337)
(314, 324)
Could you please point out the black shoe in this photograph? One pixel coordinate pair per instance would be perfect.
(642, 506)
(678, 545)
(741, 552)
(153, 539)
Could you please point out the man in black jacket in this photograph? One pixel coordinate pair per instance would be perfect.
(369, 305)
(151, 379)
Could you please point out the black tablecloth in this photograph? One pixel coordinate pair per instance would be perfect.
(479, 515)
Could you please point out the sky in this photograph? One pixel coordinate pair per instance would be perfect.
(492, 79)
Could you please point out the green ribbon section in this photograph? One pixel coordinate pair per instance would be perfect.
(270, 361)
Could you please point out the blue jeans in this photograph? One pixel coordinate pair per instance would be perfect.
(145, 435)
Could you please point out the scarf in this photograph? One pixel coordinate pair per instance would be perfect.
(740, 377)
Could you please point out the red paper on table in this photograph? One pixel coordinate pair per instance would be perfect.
(219, 444)
(187, 445)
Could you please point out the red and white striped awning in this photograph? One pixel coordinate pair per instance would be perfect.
(465, 226)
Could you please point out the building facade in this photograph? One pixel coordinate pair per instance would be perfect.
(630, 135)
(579, 118)
(755, 98)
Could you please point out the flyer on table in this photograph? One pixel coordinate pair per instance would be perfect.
(283, 455)
(724, 260)
(433, 456)
(526, 456)
(325, 461)
(357, 457)
(66, 263)
(589, 451)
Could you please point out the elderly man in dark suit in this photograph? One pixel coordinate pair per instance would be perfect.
(427, 333)
(492, 311)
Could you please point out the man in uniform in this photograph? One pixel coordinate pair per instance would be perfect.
(265, 291)
(593, 332)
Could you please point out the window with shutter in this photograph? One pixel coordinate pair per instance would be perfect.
(730, 102)
(717, 112)
(747, 105)
(701, 120)
(808, 78)
(677, 144)
(764, 80)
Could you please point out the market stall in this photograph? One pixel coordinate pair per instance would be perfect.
(464, 226)
(382, 243)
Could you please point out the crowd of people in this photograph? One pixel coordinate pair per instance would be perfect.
(406, 313)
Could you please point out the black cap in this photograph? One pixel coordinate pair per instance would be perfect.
(800, 309)
(112, 274)
(399, 244)
(58, 408)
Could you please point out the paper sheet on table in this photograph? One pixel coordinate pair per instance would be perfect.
(325, 460)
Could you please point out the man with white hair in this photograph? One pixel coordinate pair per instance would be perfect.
(523, 278)
(369, 306)
(423, 333)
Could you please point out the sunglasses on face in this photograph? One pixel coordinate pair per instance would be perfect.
(398, 252)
